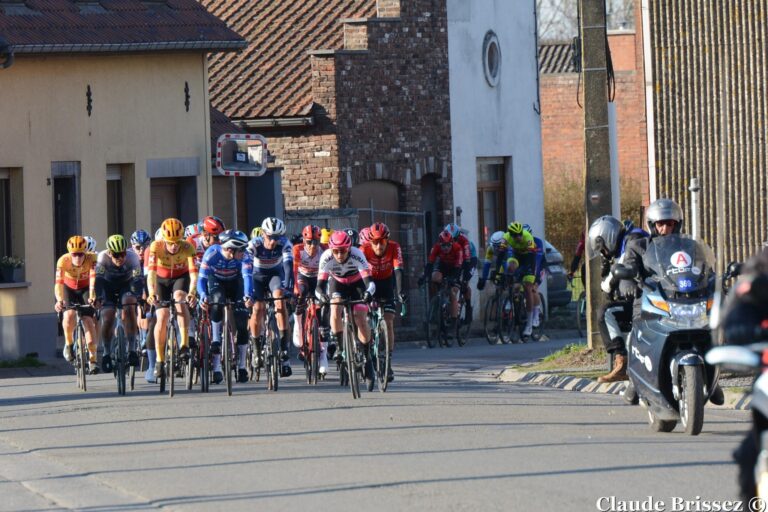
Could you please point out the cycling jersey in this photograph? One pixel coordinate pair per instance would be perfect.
(497, 258)
(215, 265)
(75, 278)
(355, 268)
(305, 264)
(165, 265)
(270, 259)
(107, 270)
(466, 248)
(452, 258)
(523, 245)
(382, 267)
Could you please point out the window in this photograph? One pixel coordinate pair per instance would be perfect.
(491, 58)
(491, 197)
(11, 213)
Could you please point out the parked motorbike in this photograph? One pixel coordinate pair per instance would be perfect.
(669, 339)
(752, 454)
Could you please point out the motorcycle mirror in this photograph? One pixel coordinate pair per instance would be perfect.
(733, 270)
(733, 357)
(623, 272)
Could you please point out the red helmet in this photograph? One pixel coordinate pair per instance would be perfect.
(213, 225)
(365, 235)
(445, 237)
(379, 231)
(310, 232)
(340, 240)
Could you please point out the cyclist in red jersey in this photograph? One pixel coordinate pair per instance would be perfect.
(386, 259)
(212, 228)
(450, 256)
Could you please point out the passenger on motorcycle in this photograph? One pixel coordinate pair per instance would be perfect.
(273, 270)
(345, 274)
(608, 239)
(226, 272)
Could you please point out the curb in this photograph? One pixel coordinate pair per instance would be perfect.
(733, 400)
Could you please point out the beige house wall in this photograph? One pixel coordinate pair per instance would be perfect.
(138, 114)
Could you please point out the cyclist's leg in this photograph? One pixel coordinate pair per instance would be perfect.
(434, 283)
(335, 290)
(216, 311)
(68, 323)
(91, 333)
(360, 311)
(257, 314)
(234, 292)
(302, 290)
(454, 274)
(385, 295)
(180, 289)
(164, 292)
(275, 286)
(105, 293)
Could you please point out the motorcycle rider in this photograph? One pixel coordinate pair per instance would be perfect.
(746, 313)
(664, 217)
(608, 237)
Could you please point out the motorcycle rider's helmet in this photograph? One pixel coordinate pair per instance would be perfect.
(664, 209)
(604, 236)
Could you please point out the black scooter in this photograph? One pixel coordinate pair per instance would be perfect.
(669, 339)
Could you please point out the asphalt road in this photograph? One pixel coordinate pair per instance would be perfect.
(447, 436)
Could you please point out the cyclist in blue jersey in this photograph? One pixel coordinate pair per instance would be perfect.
(272, 255)
(496, 255)
(226, 273)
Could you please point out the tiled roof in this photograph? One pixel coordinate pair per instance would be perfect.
(272, 77)
(220, 124)
(66, 26)
(556, 58)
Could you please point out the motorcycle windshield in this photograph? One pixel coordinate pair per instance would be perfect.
(679, 263)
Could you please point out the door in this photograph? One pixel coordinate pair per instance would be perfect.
(165, 200)
(65, 212)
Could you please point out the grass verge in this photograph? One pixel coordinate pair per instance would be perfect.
(28, 361)
(575, 355)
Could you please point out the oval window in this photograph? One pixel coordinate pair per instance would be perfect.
(492, 58)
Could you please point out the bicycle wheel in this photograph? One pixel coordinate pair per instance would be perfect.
(170, 358)
(82, 350)
(433, 322)
(462, 324)
(538, 331)
(204, 363)
(381, 349)
(581, 314)
(120, 359)
(491, 320)
(315, 349)
(352, 360)
(226, 356)
(508, 328)
(189, 369)
(273, 336)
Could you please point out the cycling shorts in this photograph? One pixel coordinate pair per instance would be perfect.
(79, 297)
(167, 286)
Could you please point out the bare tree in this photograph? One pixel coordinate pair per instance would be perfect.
(559, 19)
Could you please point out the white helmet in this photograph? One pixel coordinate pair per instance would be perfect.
(159, 235)
(273, 226)
(497, 239)
(91, 243)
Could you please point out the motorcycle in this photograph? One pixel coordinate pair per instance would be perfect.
(752, 454)
(669, 339)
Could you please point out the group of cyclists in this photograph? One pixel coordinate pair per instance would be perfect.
(204, 266)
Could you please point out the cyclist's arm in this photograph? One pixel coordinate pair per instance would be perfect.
(92, 276)
(192, 267)
(152, 270)
(246, 271)
(397, 264)
(296, 260)
(202, 279)
(58, 284)
(288, 267)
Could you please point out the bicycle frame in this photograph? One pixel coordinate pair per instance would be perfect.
(80, 345)
(171, 350)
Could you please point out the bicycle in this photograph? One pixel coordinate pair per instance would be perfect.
(352, 365)
(229, 342)
(171, 363)
(271, 348)
(498, 319)
(80, 345)
(118, 353)
(199, 358)
(463, 324)
(311, 339)
(438, 317)
(380, 353)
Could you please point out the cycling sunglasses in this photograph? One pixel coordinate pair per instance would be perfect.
(667, 222)
(340, 251)
(78, 254)
(118, 255)
(311, 242)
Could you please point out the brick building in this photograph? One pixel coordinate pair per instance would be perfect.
(359, 106)
(562, 123)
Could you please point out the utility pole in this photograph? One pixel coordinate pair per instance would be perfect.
(597, 168)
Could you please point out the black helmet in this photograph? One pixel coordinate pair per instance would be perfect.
(353, 235)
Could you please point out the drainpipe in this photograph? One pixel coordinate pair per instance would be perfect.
(649, 115)
(695, 189)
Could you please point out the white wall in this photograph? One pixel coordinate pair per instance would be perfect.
(495, 121)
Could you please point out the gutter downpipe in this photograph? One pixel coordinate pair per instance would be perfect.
(649, 103)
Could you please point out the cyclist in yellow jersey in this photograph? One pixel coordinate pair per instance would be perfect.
(171, 272)
(523, 262)
(75, 284)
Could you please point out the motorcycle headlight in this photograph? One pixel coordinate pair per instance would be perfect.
(689, 313)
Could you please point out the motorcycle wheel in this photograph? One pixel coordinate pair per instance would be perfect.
(658, 425)
(692, 399)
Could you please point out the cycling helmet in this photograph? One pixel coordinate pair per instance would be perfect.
(192, 230)
(497, 240)
(325, 235)
(272, 226)
(515, 228)
(379, 230)
(212, 225)
(256, 232)
(76, 244)
(445, 237)
(604, 235)
(528, 228)
(365, 235)
(664, 209)
(140, 237)
(340, 240)
(159, 235)
(172, 230)
(233, 239)
(311, 232)
(116, 244)
(353, 235)
(453, 229)
(91, 243)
